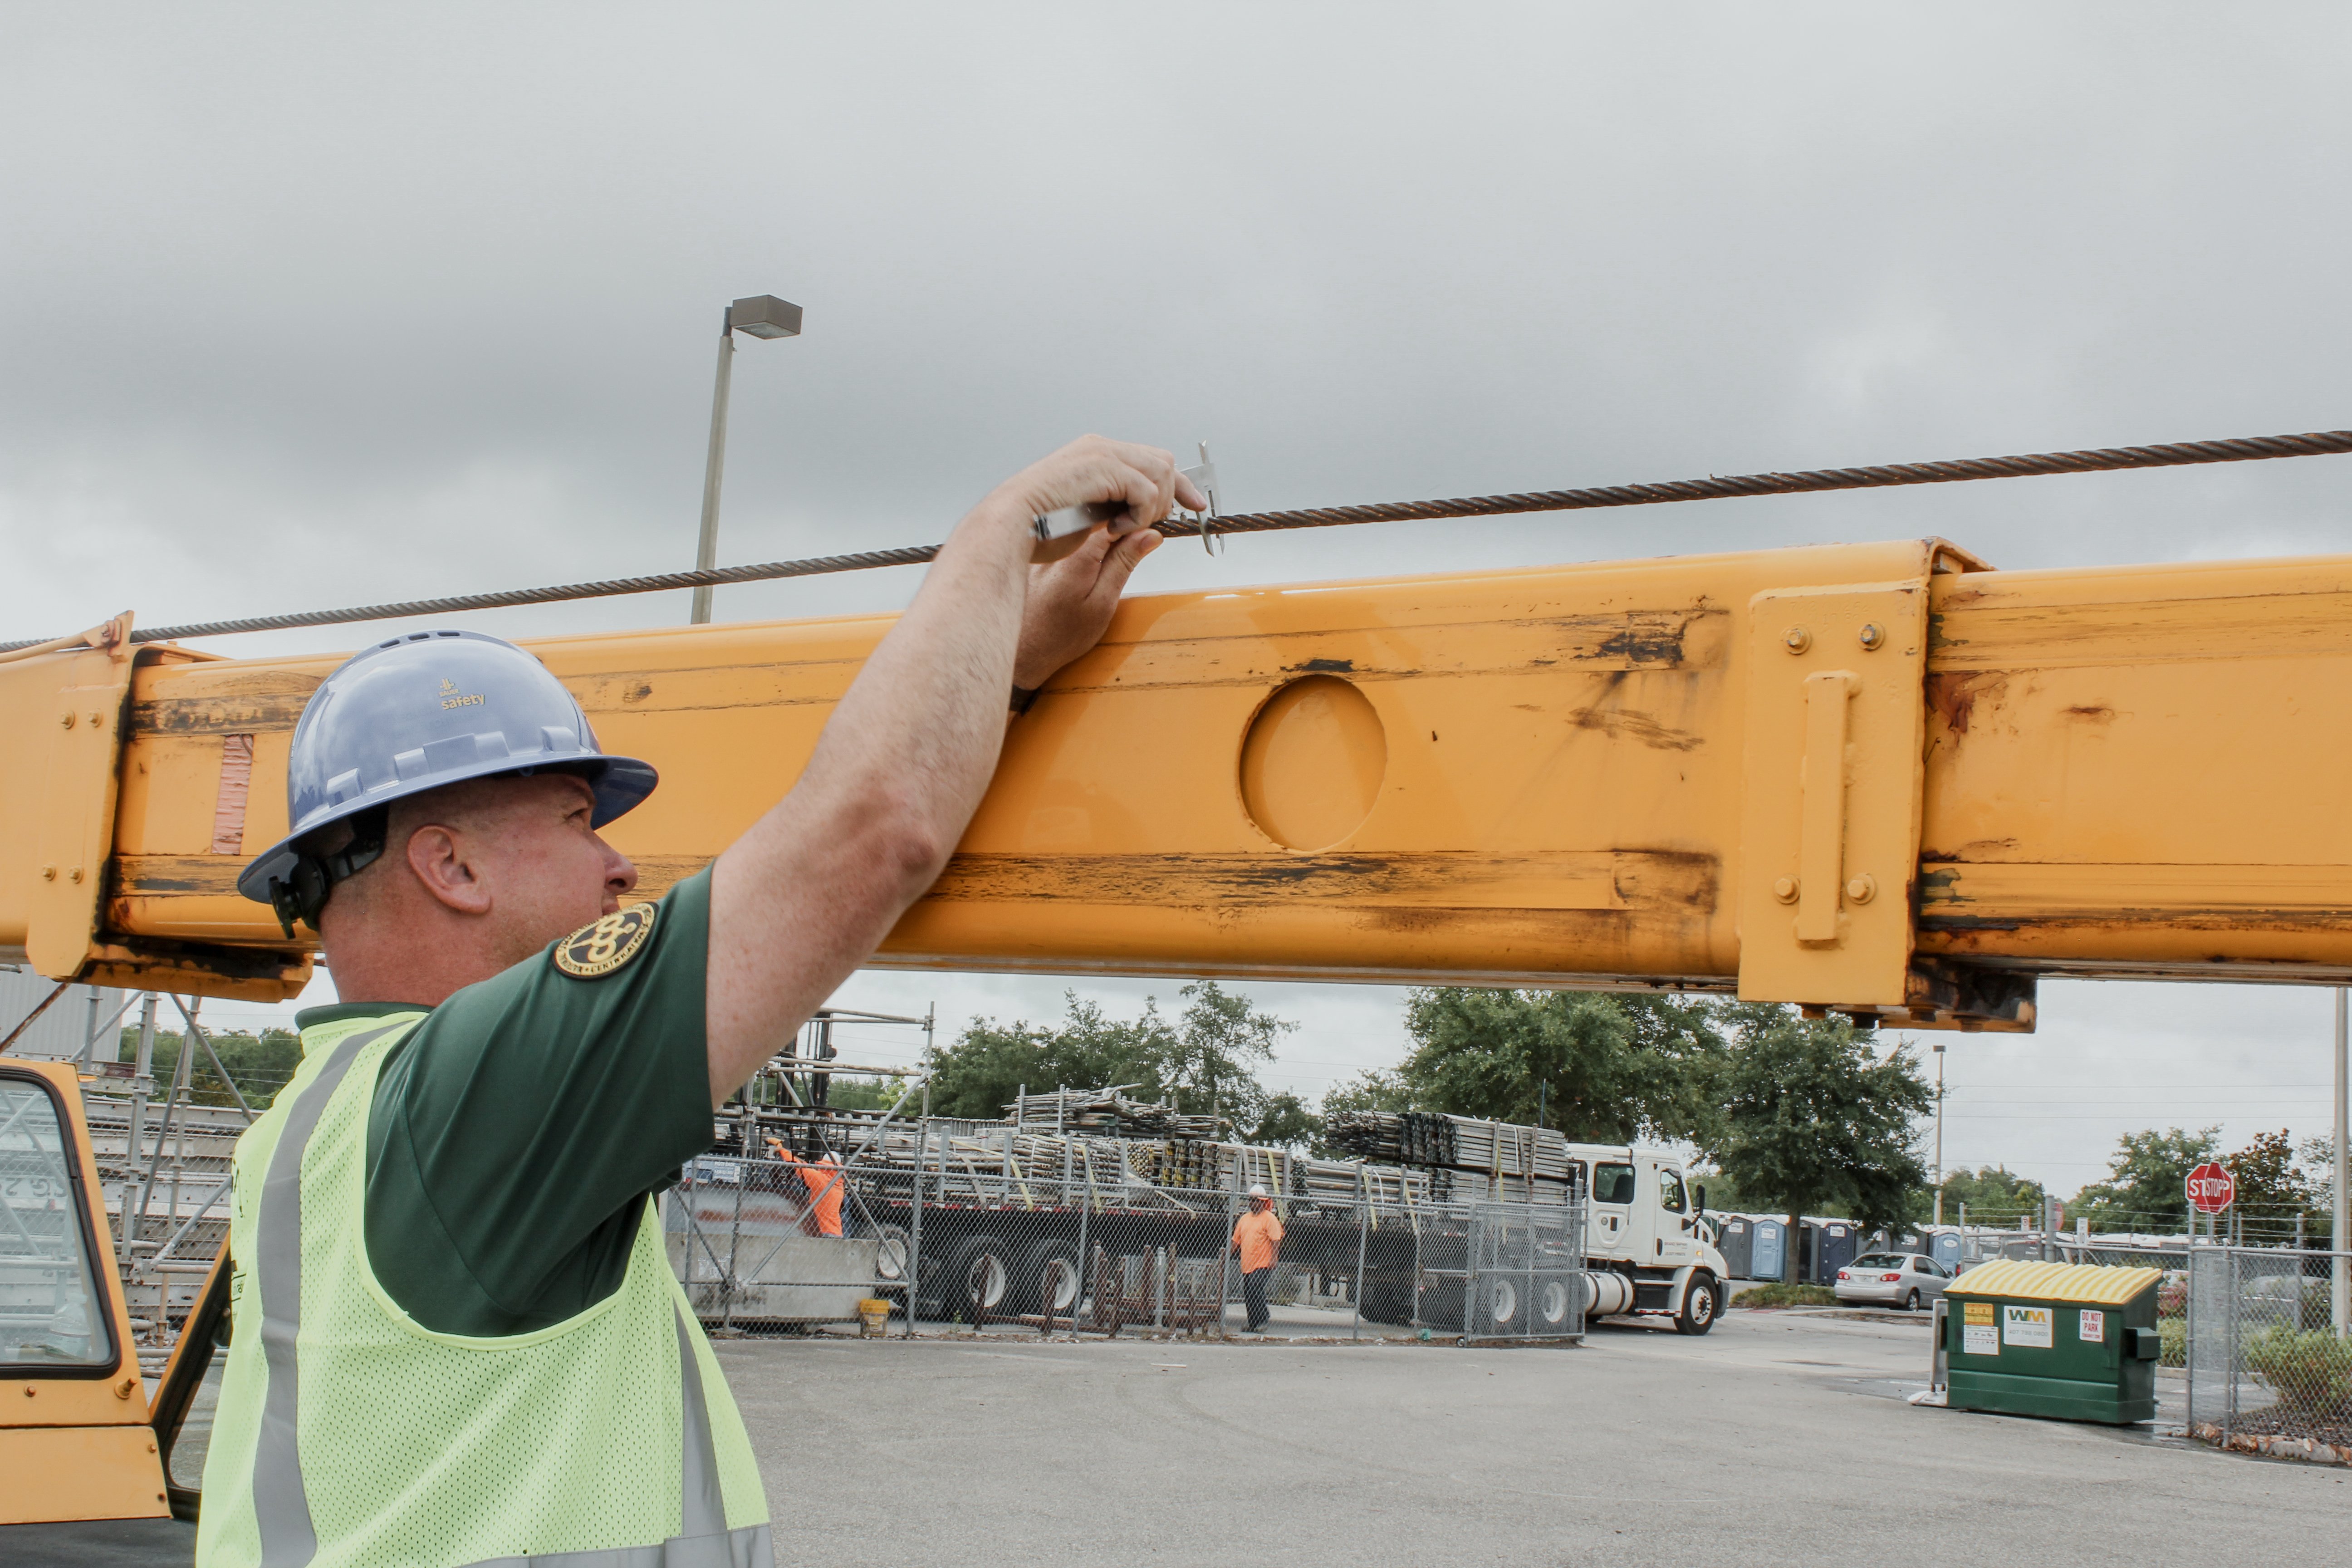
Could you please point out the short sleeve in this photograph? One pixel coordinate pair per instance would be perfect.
(515, 1135)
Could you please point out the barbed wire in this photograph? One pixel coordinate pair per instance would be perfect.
(1715, 487)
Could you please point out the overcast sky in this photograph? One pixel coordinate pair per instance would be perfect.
(309, 306)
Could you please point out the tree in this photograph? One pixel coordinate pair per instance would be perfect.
(1993, 1194)
(2147, 1189)
(1204, 1062)
(2270, 1192)
(258, 1064)
(1602, 1069)
(1812, 1116)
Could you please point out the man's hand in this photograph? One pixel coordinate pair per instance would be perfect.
(1071, 602)
(802, 898)
(1142, 479)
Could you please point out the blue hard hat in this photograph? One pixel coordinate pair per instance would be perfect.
(413, 713)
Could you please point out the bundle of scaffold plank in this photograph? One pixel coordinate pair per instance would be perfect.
(1477, 1187)
(1457, 1142)
(1107, 1111)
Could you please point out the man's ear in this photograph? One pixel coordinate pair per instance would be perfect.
(439, 857)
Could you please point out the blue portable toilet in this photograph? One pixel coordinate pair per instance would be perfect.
(1769, 1251)
(1944, 1246)
(1737, 1242)
(1837, 1243)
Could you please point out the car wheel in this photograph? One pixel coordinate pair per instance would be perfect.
(1911, 1302)
(1701, 1303)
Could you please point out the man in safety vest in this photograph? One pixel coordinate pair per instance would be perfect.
(457, 1337)
(1257, 1236)
(822, 1180)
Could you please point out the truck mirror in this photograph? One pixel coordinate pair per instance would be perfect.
(1698, 1191)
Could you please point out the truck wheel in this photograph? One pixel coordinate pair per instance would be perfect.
(1700, 1305)
(978, 1280)
(1028, 1293)
(1911, 1302)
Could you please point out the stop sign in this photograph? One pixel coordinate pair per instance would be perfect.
(2211, 1188)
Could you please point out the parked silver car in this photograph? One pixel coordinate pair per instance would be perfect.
(1906, 1279)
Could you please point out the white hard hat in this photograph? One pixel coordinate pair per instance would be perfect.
(1257, 1191)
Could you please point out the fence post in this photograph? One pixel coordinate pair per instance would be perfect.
(914, 1229)
(1355, 1328)
(1085, 1210)
(1225, 1246)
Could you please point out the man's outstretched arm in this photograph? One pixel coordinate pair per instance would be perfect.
(803, 897)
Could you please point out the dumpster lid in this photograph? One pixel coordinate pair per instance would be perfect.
(2055, 1281)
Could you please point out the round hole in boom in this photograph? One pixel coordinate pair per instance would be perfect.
(1312, 762)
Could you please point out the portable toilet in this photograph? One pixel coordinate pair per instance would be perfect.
(1944, 1246)
(1767, 1250)
(1837, 1243)
(1737, 1242)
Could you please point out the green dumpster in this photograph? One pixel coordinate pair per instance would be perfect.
(2066, 1339)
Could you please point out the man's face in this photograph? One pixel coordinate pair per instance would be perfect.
(548, 873)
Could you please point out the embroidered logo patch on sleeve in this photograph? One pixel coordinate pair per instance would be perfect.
(595, 950)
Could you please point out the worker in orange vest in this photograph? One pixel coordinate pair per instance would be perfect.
(1257, 1236)
(822, 1179)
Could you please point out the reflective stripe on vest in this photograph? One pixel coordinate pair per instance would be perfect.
(280, 1502)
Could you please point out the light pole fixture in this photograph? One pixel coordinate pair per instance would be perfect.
(1939, 1133)
(762, 316)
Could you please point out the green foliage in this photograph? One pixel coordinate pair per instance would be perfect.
(2172, 1338)
(259, 1064)
(1201, 1062)
(2147, 1189)
(1602, 1069)
(2270, 1190)
(866, 1094)
(1777, 1294)
(1812, 1116)
(1994, 1195)
(2311, 1372)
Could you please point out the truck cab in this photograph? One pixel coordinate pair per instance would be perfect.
(1646, 1252)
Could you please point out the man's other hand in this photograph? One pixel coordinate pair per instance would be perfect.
(1071, 601)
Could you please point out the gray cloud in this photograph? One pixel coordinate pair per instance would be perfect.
(303, 306)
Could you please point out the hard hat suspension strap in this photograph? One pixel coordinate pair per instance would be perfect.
(315, 874)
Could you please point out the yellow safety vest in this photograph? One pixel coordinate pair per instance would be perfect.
(349, 1435)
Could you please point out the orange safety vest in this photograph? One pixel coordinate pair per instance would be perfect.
(823, 1181)
(1259, 1235)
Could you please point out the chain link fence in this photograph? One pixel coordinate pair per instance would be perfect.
(2269, 1340)
(975, 1228)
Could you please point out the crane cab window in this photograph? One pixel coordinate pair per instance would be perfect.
(1612, 1183)
(1671, 1196)
(51, 1315)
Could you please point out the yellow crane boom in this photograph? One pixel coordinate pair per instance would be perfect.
(1876, 778)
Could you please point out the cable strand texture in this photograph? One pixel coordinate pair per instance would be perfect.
(1724, 486)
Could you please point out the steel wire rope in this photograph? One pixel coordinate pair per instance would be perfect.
(1716, 487)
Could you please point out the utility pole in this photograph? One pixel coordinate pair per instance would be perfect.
(2340, 1241)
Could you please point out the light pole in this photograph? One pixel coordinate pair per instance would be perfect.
(1939, 1133)
(2340, 1240)
(762, 316)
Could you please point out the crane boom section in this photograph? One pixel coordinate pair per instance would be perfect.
(1869, 777)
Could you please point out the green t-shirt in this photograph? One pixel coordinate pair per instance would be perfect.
(518, 1132)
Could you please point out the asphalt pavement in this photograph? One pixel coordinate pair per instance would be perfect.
(1780, 1438)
